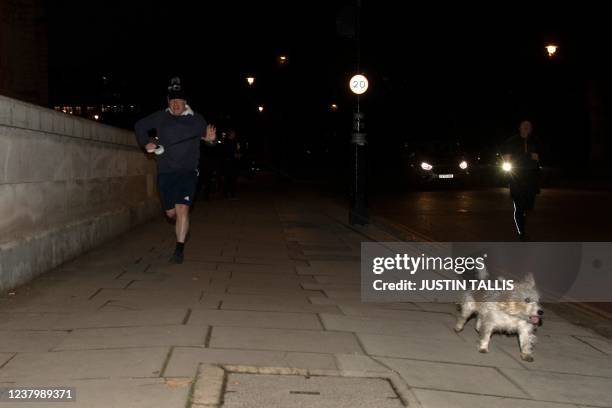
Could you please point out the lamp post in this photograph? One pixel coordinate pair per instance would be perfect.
(358, 213)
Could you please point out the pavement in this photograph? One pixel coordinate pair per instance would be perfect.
(266, 312)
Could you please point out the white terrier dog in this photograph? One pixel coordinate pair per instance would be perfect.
(514, 311)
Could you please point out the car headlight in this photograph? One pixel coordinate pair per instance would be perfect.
(507, 167)
(426, 166)
(463, 165)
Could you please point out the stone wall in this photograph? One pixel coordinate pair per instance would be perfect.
(66, 185)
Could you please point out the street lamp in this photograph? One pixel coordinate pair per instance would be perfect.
(551, 49)
(333, 107)
(260, 108)
(282, 59)
(250, 80)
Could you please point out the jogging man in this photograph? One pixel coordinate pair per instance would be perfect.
(177, 148)
(522, 153)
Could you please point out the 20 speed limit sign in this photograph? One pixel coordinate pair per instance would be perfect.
(358, 84)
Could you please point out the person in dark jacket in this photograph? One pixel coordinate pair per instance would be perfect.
(521, 155)
(178, 131)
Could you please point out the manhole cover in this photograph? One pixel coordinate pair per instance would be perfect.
(259, 390)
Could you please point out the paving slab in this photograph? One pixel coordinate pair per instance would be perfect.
(258, 260)
(566, 388)
(55, 305)
(89, 364)
(259, 253)
(269, 298)
(284, 339)
(270, 291)
(186, 284)
(276, 320)
(186, 268)
(264, 278)
(440, 399)
(123, 337)
(377, 312)
(122, 318)
(30, 320)
(251, 268)
(565, 327)
(331, 286)
(29, 341)
(361, 363)
(450, 349)
(346, 278)
(566, 358)
(152, 298)
(602, 344)
(417, 328)
(277, 306)
(244, 390)
(184, 360)
(337, 266)
(454, 377)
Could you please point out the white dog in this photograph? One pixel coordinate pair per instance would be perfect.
(514, 311)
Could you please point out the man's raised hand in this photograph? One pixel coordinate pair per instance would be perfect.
(211, 134)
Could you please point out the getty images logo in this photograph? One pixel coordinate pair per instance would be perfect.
(412, 264)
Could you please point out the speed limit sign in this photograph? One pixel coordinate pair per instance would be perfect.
(358, 84)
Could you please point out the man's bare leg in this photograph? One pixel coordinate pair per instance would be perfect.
(182, 222)
(181, 211)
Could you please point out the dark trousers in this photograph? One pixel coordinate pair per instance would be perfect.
(523, 189)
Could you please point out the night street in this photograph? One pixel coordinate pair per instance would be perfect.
(487, 215)
(336, 204)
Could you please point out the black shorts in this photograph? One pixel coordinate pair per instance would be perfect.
(177, 188)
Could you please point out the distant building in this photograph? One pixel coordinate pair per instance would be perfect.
(23, 51)
(109, 102)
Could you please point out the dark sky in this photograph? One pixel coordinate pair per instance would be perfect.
(446, 70)
(211, 44)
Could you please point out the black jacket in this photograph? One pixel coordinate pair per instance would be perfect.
(170, 129)
(520, 150)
